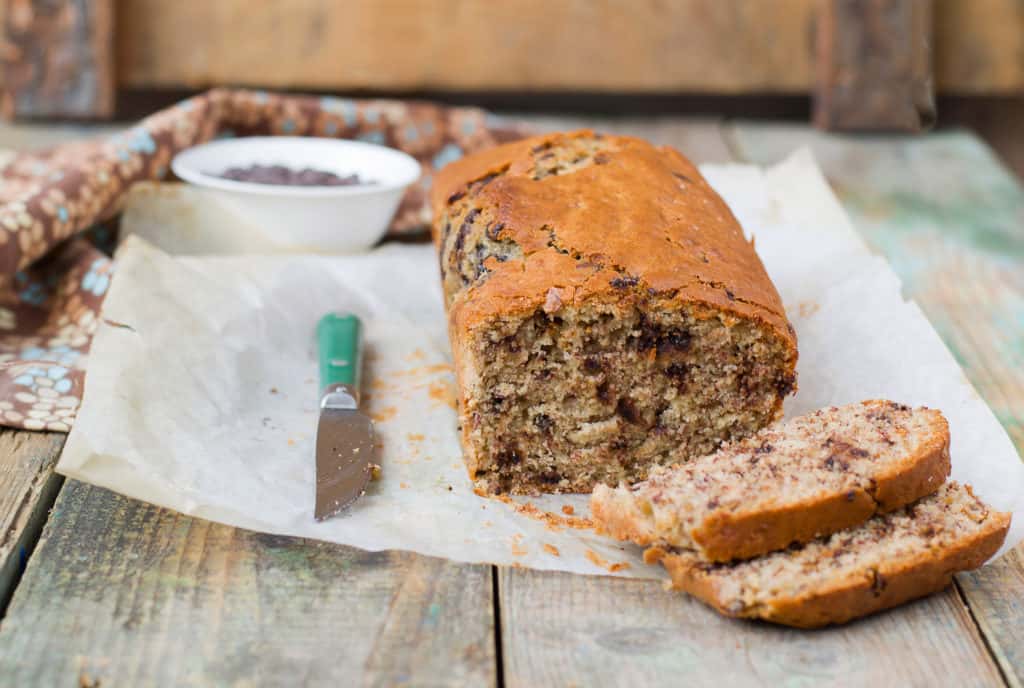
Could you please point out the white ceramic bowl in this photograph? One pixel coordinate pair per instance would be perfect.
(322, 219)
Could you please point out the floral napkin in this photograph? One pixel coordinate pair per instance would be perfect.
(58, 209)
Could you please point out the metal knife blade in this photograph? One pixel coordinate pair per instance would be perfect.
(344, 459)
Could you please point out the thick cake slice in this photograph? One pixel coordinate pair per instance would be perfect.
(604, 309)
(890, 559)
(793, 482)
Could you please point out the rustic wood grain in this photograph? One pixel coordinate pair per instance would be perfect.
(57, 58)
(873, 65)
(630, 45)
(995, 593)
(560, 629)
(979, 46)
(120, 593)
(612, 45)
(28, 487)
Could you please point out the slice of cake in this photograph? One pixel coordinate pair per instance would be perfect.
(605, 311)
(890, 559)
(793, 482)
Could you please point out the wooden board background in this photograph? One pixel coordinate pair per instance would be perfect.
(703, 46)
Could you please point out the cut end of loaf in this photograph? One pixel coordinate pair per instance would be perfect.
(599, 393)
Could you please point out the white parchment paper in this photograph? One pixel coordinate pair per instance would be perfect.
(202, 393)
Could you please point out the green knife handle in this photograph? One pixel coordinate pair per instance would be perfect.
(339, 341)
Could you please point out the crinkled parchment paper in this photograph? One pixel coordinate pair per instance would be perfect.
(202, 394)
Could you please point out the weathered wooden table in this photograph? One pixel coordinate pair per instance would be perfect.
(97, 589)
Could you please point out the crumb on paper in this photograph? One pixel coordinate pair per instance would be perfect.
(385, 414)
(597, 560)
(517, 549)
(375, 471)
(568, 510)
(552, 550)
(487, 524)
(404, 486)
(443, 393)
(807, 308)
(554, 522)
(416, 437)
(423, 370)
(273, 390)
(416, 355)
(291, 442)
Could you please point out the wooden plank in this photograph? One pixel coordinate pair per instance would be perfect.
(28, 487)
(561, 629)
(979, 46)
(127, 594)
(703, 46)
(947, 216)
(874, 68)
(995, 593)
(631, 45)
(58, 58)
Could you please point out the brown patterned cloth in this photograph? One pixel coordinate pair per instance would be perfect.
(53, 279)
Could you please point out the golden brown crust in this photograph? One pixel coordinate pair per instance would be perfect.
(846, 598)
(644, 212)
(724, 538)
(918, 475)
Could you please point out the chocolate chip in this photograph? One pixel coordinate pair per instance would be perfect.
(682, 177)
(729, 295)
(878, 583)
(627, 409)
(676, 340)
(604, 392)
(625, 282)
(713, 504)
(591, 364)
(550, 478)
(494, 229)
(601, 159)
(785, 384)
(765, 448)
(851, 495)
(677, 372)
(480, 183)
(456, 196)
(543, 422)
(508, 457)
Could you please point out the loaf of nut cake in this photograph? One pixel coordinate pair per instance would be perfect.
(605, 311)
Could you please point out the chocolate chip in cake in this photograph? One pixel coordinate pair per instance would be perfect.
(625, 282)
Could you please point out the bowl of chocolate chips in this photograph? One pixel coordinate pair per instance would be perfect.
(306, 194)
